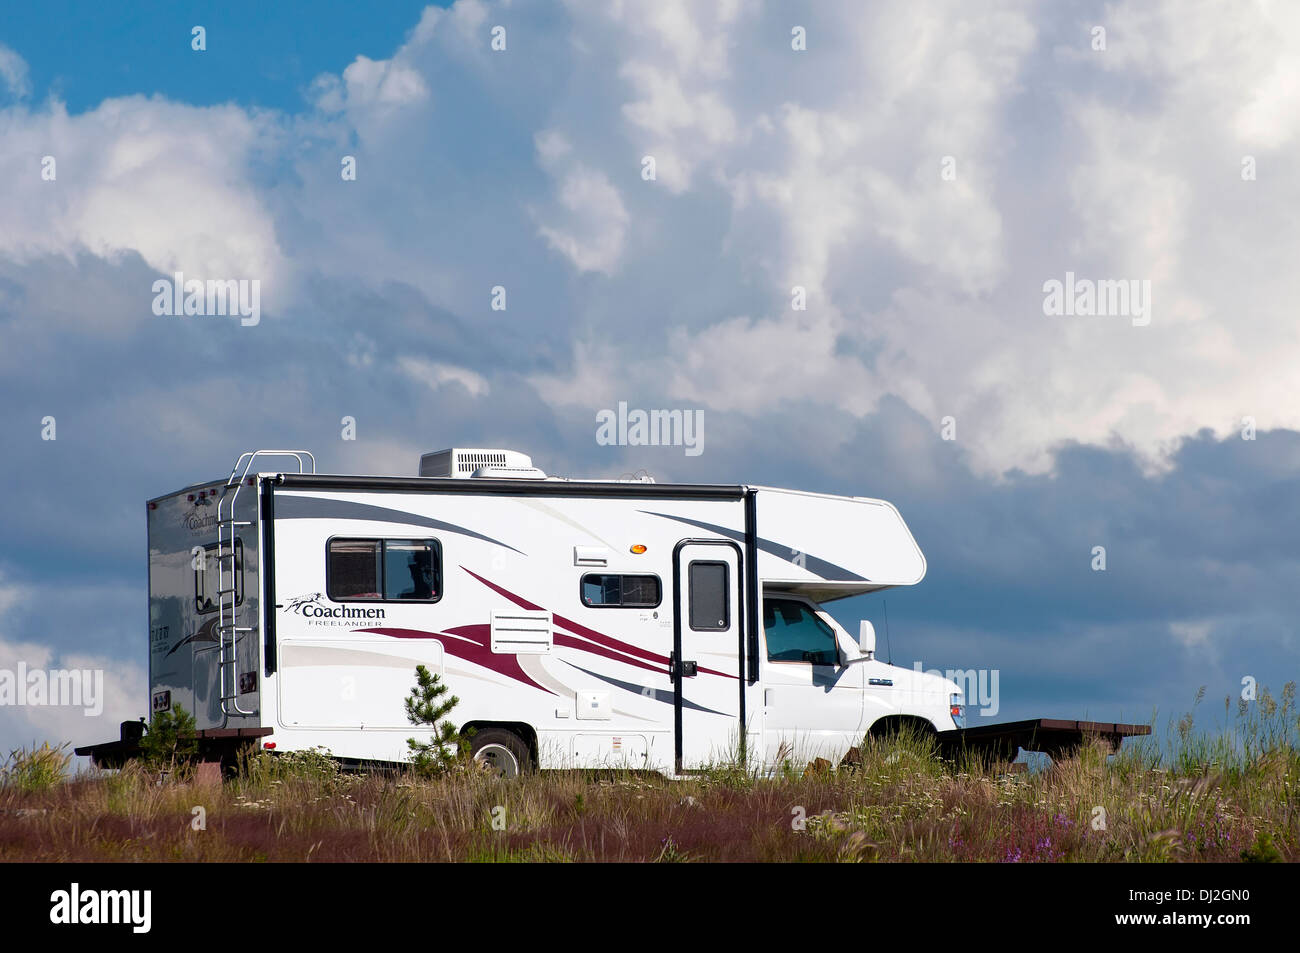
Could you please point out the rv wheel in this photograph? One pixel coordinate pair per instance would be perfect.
(501, 752)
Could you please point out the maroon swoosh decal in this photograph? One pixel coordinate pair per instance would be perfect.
(608, 641)
(520, 601)
(600, 638)
(479, 651)
(618, 645)
(570, 642)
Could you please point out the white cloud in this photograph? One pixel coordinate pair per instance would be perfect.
(836, 187)
(166, 181)
(124, 697)
(590, 231)
(776, 168)
(590, 224)
(10, 594)
(1191, 634)
(383, 83)
(435, 374)
(599, 377)
(117, 688)
(13, 72)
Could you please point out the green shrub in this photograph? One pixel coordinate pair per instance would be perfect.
(170, 744)
(1264, 851)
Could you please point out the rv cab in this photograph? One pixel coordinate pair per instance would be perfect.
(823, 690)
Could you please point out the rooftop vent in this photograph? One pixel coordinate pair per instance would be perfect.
(462, 464)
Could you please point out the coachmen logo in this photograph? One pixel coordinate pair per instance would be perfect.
(203, 516)
(315, 609)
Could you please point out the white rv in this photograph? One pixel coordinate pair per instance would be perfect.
(581, 623)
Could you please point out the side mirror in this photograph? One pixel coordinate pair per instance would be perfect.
(866, 639)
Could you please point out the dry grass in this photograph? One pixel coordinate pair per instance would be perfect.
(1198, 801)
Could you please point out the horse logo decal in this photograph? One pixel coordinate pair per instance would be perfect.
(296, 604)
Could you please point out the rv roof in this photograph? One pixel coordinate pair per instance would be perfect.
(551, 486)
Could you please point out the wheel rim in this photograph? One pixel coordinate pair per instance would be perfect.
(499, 759)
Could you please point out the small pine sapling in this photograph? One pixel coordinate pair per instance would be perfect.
(425, 706)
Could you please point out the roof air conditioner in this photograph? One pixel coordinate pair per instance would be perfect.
(461, 463)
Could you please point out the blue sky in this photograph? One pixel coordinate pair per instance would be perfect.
(258, 54)
(921, 171)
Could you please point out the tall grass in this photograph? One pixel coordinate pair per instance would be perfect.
(1192, 797)
(35, 768)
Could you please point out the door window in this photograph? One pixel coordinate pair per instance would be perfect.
(709, 610)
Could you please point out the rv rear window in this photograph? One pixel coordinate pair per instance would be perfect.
(383, 570)
(207, 579)
(607, 591)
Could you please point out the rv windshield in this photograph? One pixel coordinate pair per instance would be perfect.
(795, 633)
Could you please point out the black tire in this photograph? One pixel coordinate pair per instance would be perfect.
(912, 730)
(895, 729)
(502, 752)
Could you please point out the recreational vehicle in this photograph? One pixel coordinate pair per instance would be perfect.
(581, 623)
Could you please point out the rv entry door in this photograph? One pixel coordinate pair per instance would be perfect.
(708, 634)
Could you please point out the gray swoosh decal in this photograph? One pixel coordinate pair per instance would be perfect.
(309, 507)
(657, 694)
(827, 570)
(196, 637)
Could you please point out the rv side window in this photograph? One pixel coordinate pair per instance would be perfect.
(601, 590)
(708, 596)
(207, 580)
(383, 570)
(795, 634)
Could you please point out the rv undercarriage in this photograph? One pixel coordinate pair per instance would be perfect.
(214, 745)
(1053, 737)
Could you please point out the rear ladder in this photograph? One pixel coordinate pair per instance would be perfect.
(228, 632)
